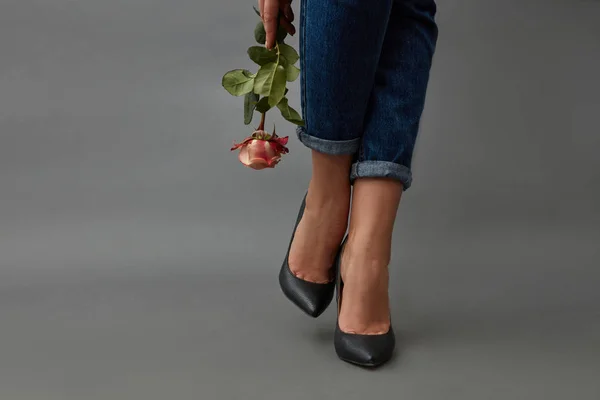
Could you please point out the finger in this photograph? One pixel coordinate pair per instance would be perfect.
(270, 16)
(286, 8)
(287, 25)
(261, 6)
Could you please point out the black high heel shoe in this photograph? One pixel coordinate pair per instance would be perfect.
(363, 350)
(312, 298)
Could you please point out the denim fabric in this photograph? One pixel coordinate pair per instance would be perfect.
(364, 73)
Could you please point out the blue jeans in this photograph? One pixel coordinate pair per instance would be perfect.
(365, 67)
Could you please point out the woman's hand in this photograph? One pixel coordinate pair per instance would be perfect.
(273, 14)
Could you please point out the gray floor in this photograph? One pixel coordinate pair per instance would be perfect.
(138, 259)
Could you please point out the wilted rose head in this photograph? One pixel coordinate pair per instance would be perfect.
(261, 150)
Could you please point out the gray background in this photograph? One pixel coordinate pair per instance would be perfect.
(138, 258)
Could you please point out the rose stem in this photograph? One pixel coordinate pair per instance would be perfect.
(261, 127)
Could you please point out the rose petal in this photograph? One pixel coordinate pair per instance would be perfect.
(260, 154)
(244, 157)
(282, 140)
(242, 143)
(258, 164)
(274, 161)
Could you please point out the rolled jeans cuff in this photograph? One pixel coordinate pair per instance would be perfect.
(381, 169)
(332, 147)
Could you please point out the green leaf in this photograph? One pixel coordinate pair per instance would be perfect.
(261, 36)
(292, 72)
(264, 79)
(278, 88)
(238, 82)
(289, 53)
(256, 11)
(289, 113)
(259, 33)
(261, 55)
(270, 81)
(263, 105)
(250, 101)
(281, 34)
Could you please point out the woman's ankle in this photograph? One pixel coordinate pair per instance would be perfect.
(366, 264)
(373, 248)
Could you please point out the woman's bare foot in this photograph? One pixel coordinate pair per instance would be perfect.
(365, 306)
(325, 220)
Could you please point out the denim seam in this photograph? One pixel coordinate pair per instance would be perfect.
(381, 169)
(332, 147)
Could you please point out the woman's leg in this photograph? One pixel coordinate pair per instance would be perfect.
(382, 170)
(365, 309)
(340, 44)
(325, 218)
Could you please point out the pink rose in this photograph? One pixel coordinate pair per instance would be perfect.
(261, 150)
